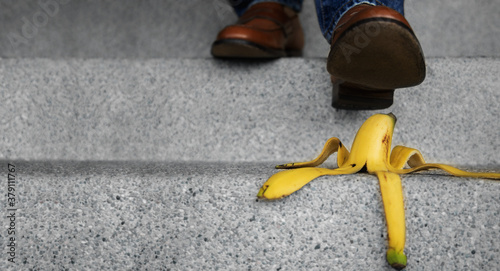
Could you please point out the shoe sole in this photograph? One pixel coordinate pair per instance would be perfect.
(360, 58)
(234, 48)
(360, 55)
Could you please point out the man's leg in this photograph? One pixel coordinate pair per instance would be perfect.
(265, 29)
(240, 6)
(373, 51)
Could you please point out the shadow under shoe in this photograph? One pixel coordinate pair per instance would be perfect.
(235, 48)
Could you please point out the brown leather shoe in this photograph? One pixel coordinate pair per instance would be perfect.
(265, 30)
(373, 52)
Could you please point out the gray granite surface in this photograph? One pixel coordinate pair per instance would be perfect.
(159, 29)
(134, 150)
(204, 216)
(209, 110)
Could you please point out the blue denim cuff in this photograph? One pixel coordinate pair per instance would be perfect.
(330, 11)
(240, 6)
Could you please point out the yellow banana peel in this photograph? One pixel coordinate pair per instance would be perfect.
(370, 150)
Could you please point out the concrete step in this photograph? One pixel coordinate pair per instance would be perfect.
(101, 215)
(165, 29)
(222, 111)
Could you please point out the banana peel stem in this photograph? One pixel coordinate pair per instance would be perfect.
(396, 259)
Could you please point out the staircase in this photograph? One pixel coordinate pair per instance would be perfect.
(130, 148)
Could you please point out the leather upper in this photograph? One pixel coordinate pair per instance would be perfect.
(268, 24)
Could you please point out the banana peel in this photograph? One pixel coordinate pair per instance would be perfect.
(370, 151)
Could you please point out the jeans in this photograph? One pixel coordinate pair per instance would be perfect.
(329, 11)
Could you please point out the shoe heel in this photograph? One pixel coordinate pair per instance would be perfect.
(346, 96)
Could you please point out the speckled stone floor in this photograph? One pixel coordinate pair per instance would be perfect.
(134, 150)
(159, 28)
(189, 201)
(210, 110)
(205, 216)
